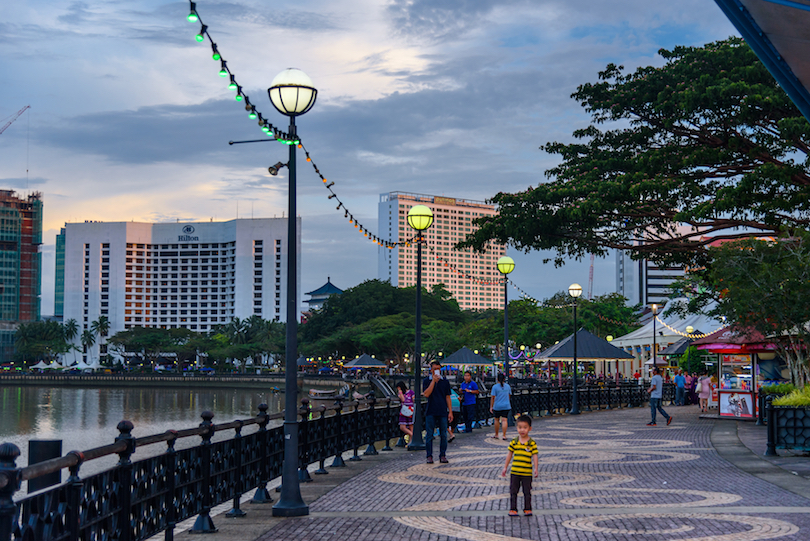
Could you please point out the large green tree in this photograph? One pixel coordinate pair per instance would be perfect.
(762, 285)
(708, 140)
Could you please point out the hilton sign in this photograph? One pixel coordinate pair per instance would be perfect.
(186, 236)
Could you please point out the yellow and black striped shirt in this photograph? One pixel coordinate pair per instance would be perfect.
(522, 456)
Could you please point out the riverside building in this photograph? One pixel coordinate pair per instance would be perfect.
(452, 222)
(20, 265)
(174, 275)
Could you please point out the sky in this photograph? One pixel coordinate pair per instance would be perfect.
(130, 120)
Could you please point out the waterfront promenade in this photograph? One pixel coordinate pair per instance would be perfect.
(603, 475)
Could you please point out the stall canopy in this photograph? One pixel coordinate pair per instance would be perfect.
(589, 348)
(735, 341)
(303, 361)
(466, 357)
(364, 361)
(778, 31)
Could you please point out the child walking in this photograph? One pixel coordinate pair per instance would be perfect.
(523, 455)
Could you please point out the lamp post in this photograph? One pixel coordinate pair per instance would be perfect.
(506, 265)
(654, 311)
(575, 290)
(420, 218)
(292, 94)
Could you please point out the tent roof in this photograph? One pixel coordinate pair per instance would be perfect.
(303, 361)
(466, 357)
(589, 347)
(733, 335)
(40, 365)
(679, 347)
(364, 361)
(778, 31)
(664, 335)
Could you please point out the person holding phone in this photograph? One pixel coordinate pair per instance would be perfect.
(439, 411)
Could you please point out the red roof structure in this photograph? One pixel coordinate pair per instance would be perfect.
(735, 341)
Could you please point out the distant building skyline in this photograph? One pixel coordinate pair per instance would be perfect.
(452, 222)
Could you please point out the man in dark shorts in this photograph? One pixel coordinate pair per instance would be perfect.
(439, 411)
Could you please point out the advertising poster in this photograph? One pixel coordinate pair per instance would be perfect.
(736, 404)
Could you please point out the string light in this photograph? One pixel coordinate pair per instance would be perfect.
(693, 335)
(233, 85)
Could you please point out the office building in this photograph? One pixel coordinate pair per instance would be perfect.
(644, 282)
(172, 275)
(452, 223)
(20, 265)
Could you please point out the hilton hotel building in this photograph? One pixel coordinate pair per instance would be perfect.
(452, 221)
(171, 275)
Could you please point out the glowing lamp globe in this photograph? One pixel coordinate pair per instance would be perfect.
(575, 290)
(292, 92)
(506, 265)
(420, 217)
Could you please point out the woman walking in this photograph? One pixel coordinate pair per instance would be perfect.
(406, 398)
(500, 405)
(705, 393)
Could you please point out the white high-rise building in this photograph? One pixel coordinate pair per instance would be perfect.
(644, 282)
(172, 275)
(452, 223)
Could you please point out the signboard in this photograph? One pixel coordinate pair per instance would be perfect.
(444, 201)
(736, 404)
(736, 360)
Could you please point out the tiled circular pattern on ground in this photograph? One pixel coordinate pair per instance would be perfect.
(760, 528)
(642, 497)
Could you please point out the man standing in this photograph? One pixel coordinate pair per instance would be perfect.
(469, 396)
(680, 388)
(439, 410)
(656, 392)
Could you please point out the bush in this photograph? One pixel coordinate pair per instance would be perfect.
(798, 398)
(779, 389)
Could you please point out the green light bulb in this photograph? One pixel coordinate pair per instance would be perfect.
(223, 73)
(238, 97)
(199, 37)
(265, 129)
(216, 56)
(252, 116)
(192, 17)
(232, 86)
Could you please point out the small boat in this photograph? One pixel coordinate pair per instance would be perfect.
(328, 396)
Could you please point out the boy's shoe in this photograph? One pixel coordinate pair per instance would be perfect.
(669, 420)
(653, 424)
(527, 512)
(513, 513)
(430, 460)
(443, 459)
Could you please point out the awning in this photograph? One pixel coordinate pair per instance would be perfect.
(589, 348)
(466, 357)
(364, 361)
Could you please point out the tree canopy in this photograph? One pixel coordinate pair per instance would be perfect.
(708, 140)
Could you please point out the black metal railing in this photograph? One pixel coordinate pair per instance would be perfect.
(136, 500)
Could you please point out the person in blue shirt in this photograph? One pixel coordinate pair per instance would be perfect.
(500, 405)
(680, 388)
(469, 396)
(656, 391)
(439, 411)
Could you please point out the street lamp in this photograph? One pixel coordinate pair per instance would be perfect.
(292, 94)
(575, 290)
(609, 338)
(420, 218)
(506, 265)
(654, 311)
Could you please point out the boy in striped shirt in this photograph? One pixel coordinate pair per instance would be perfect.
(523, 455)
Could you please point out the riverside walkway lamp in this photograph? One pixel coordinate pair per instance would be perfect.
(575, 290)
(506, 265)
(292, 94)
(420, 218)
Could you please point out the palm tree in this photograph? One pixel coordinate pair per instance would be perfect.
(101, 327)
(71, 330)
(88, 339)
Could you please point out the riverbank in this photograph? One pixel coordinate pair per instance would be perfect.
(238, 381)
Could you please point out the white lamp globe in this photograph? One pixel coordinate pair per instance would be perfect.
(292, 92)
(575, 290)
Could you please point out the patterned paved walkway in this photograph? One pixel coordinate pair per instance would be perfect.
(603, 475)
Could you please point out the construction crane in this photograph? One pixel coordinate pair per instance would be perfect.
(15, 117)
(590, 280)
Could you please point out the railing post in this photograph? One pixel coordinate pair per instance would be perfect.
(771, 449)
(238, 444)
(10, 476)
(303, 443)
(372, 418)
(760, 409)
(356, 437)
(204, 524)
(338, 462)
(588, 398)
(322, 436)
(171, 471)
(74, 495)
(125, 480)
(262, 495)
(391, 424)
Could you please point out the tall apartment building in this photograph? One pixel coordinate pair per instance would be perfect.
(20, 265)
(452, 222)
(644, 282)
(172, 275)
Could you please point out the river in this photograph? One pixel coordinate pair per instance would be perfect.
(84, 418)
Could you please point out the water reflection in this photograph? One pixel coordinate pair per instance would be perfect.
(87, 417)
